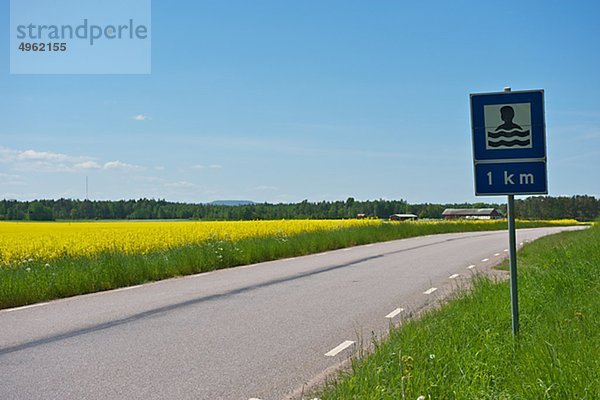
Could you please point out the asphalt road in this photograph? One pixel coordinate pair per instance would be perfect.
(260, 331)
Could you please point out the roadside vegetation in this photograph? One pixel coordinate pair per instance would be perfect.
(465, 349)
(44, 261)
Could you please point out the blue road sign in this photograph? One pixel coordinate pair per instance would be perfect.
(509, 137)
(512, 177)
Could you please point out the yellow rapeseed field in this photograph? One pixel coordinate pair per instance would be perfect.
(46, 241)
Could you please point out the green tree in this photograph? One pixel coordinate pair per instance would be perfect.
(39, 212)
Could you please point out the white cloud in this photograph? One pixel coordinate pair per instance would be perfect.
(88, 165)
(140, 117)
(119, 165)
(11, 155)
(44, 161)
(44, 156)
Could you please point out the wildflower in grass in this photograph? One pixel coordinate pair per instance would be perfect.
(406, 365)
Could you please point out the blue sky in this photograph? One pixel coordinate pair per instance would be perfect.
(281, 101)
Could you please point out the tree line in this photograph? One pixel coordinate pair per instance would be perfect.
(583, 208)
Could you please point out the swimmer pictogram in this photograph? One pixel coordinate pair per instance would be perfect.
(508, 135)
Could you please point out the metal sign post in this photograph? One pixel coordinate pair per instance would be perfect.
(509, 157)
(512, 257)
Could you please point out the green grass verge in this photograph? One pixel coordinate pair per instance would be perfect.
(40, 281)
(465, 349)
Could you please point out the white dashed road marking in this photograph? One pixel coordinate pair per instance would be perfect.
(454, 276)
(23, 307)
(471, 266)
(485, 259)
(394, 313)
(334, 352)
(496, 255)
(429, 291)
(127, 288)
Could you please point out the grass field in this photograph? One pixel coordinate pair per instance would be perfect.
(43, 261)
(465, 350)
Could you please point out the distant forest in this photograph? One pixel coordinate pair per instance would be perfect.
(583, 208)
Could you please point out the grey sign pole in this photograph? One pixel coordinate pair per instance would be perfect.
(512, 256)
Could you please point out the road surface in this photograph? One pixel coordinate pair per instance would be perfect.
(259, 331)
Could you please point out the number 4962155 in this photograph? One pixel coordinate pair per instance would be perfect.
(24, 46)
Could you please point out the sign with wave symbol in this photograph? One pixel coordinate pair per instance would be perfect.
(509, 139)
(508, 126)
(509, 143)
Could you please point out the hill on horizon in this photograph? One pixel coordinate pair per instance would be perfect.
(232, 203)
